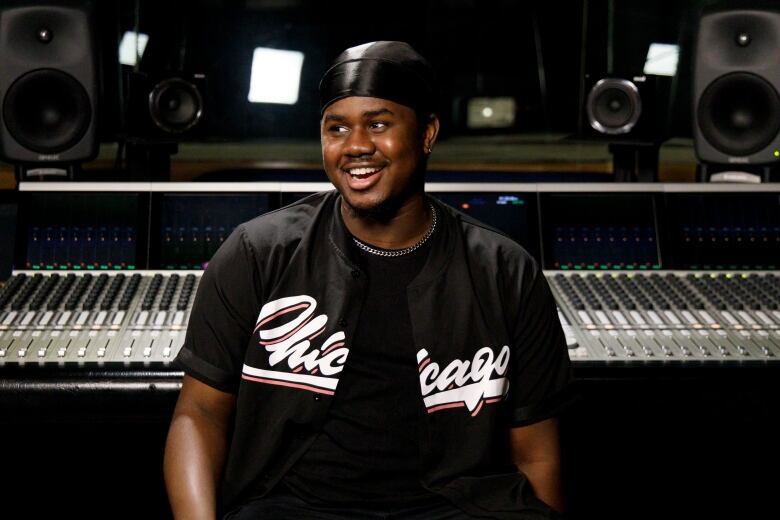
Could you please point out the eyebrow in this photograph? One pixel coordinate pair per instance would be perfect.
(379, 112)
(365, 115)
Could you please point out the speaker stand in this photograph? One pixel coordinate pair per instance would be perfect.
(46, 172)
(733, 172)
(150, 161)
(635, 162)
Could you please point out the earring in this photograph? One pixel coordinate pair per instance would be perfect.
(428, 149)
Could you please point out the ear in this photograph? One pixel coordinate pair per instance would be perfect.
(431, 133)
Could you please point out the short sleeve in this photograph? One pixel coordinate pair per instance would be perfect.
(542, 382)
(223, 316)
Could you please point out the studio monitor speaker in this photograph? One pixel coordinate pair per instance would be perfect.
(623, 107)
(48, 85)
(165, 107)
(162, 109)
(736, 109)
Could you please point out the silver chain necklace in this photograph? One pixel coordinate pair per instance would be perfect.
(400, 252)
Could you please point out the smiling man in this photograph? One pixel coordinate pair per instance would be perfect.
(370, 352)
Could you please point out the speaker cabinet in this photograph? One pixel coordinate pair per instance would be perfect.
(165, 107)
(48, 85)
(621, 108)
(631, 114)
(736, 108)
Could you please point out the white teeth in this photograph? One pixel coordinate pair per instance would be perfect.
(362, 171)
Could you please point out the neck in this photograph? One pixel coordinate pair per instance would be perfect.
(404, 228)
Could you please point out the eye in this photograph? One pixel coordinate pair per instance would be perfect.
(378, 125)
(336, 129)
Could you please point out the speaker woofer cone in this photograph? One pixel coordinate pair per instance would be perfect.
(739, 113)
(47, 111)
(614, 106)
(175, 105)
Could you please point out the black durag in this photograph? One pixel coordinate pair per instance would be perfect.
(385, 69)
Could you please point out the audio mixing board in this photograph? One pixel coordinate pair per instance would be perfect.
(703, 317)
(643, 274)
(98, 319)
(126, 319)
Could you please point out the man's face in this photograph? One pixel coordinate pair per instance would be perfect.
(373, 153)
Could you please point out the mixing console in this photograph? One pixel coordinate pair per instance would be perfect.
(119, 319)
(644, 317)
(642, 274)
(95, 319)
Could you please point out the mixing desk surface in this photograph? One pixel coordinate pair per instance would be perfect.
(644, 275)
(670, 317)
(95, 319)
(118, 319)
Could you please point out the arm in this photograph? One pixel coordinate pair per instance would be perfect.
(196, 449)
(536, 452)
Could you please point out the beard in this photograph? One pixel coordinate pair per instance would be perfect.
(385, 210)
(382, 212)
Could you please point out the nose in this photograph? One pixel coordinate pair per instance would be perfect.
(359, 143)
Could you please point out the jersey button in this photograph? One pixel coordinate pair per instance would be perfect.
(342, 322)
(317, 397)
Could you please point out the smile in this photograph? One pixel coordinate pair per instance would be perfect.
(362, 173)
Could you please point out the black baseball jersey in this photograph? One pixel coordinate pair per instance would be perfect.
(273, 320)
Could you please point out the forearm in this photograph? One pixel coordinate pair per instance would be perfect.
(545, 479)
(196, 449)
(194, 459)
(536, 452)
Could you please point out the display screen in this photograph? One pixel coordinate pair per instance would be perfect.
(724, 230)
(193, 226)
(599, 231)
(82, 231)
(512, 213)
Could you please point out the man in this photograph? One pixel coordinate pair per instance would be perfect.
(370, 352)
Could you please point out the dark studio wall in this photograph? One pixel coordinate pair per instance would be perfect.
(544, 55)
(533, 52)
(479, 49)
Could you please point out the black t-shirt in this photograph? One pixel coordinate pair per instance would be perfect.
(368, 449)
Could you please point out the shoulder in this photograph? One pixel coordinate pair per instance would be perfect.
(265, 244)
(287, 224)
